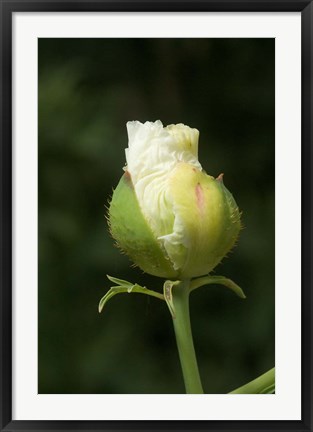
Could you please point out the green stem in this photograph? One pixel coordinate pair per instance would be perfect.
(184, 340)
(263, 384)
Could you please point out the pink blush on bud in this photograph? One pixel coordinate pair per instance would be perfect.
(200, 196)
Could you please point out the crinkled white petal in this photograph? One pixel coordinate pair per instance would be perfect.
(152, 154)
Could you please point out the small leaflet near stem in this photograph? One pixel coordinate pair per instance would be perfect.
(123, 286)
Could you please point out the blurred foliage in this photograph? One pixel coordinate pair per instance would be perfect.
(88, 90)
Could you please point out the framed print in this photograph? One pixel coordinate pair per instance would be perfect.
(156, 215)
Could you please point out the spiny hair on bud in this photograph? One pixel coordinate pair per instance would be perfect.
(107, 210)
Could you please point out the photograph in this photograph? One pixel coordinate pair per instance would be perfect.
(156, 215)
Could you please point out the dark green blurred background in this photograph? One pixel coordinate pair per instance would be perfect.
(88, 90)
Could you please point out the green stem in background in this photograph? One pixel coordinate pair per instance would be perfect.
(177, 294)
(264, 384)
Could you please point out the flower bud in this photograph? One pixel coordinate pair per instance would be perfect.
(171, 218)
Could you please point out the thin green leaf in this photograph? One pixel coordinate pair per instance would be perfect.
(125, 287)
(119, 282)
(221, 280)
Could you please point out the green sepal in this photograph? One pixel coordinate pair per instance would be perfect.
(220, 280)
(123, 286)
(207, 215)
(133, 234)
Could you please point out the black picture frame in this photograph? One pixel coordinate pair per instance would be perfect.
(7, 9)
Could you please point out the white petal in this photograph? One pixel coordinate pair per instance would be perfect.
(152, 154)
